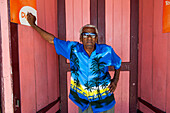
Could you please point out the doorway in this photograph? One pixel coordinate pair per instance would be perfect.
(98, 16)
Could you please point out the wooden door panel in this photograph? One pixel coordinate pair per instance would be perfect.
(118, 27)
(72, 108)
(77, 15)
(39, 78)
(125, 31)
(122, 93)
(27, 69)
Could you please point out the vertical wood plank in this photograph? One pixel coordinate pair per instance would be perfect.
(101, 21)
(118, 93)
(168, 78)
(117, 26)
(53, 75)
(159, 58)
(78, 19)
(41, 13)
(122, 93)
(140, 46)
(69, 20)
(93, 12)
(27, 69)
(50, 16)
(86, 11)
(147, 48)
(125, 91)
(109, 22)
(125, 41)
(70, 35)
(72, 108)
(53, 82)
(40, 54)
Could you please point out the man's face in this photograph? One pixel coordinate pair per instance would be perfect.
(88, 37)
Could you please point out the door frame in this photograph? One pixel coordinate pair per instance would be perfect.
(98, 19)
(15, 67)
(0, 61)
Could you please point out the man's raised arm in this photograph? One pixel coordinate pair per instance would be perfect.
(47, 36)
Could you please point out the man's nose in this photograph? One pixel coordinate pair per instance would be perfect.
(89, 37)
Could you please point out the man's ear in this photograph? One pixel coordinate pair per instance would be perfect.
(81, 38)
(96, 39)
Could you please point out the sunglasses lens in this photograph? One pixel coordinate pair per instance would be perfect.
(92, 35)
(84, 36)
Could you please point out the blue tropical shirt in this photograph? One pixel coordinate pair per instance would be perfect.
(89, 75)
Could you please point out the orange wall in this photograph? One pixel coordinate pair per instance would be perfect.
(154, 56)
(38, 61)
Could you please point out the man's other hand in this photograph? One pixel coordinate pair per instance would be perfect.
(112, 86)
(31, 19)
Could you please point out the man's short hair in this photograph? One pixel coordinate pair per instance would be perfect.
(89, 25)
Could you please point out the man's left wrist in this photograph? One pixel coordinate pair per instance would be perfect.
(114, 81)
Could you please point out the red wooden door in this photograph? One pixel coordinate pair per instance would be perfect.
(34, 64)
(117, 24)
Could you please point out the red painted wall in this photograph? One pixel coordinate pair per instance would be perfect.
(154, 57)
(38, 61)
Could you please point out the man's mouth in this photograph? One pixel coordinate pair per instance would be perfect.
(89, 42)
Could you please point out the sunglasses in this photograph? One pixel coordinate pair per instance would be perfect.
(85, 35)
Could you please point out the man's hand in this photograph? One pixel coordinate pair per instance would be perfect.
(47, 36)
(114, 81)
(31, 19)
(112, 86)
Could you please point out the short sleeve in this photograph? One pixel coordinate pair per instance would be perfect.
(115, 59)
(63, 47)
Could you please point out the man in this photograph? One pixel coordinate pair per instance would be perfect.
(91, 85)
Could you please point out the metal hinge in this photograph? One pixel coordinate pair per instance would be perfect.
(17, 103)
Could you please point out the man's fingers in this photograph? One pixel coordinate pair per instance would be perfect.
(29, 15)
(109, 86)
(112, 89)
